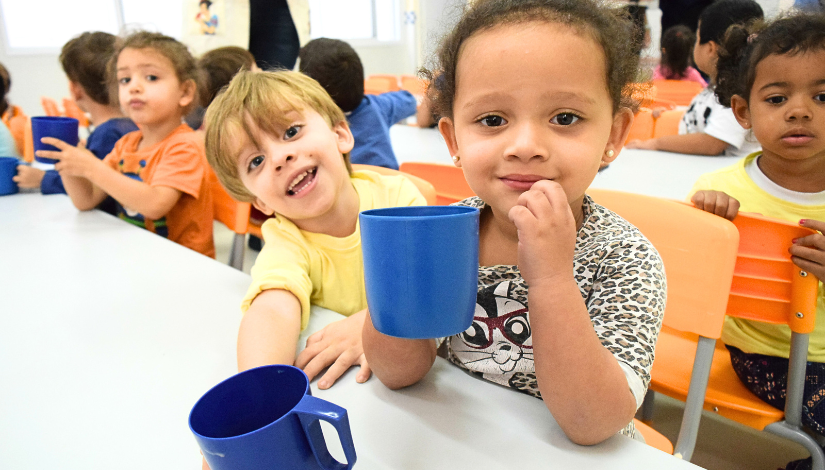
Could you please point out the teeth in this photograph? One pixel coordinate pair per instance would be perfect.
(298, 179)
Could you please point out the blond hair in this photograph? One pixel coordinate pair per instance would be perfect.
(262, 100)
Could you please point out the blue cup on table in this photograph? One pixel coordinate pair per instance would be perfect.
(420, 269)
(63, 128)
(8, 169)
(266, 418)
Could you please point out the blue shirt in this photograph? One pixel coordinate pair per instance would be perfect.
(100, 142)
(370, 125)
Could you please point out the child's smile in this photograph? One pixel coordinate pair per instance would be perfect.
(303, 180)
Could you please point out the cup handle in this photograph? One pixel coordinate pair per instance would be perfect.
(310, 411)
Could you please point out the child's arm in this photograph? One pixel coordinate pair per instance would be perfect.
(696, 144)
(397, 362)
(269, 330)
(77, 164)
(716, 202)
(809, 252)
(28, 177)
(581, 382)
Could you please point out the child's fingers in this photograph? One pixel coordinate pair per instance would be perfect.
(309, 353)
(337, 369)
(813, 224)
(365, 372)
(321, 361)
(815, 240)
(55, 142)
(816, 269)
(49, 154)
(815, 255)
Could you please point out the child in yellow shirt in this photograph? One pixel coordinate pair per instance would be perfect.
(277, 140)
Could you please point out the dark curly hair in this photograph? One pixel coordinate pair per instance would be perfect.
(677, 49)
(611, 27)
(745, 46)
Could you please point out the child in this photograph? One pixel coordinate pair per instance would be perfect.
(84, 60)
(277, 140)
(217, 67)
(157, 174)
(774, 79)
(677, 47)
(531, 106)
(708, 127)
(8, 147)
(336, 66)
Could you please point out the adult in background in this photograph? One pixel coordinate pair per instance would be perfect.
(277, 30)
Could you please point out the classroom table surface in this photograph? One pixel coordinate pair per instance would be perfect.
(654, 173)
(109, 335)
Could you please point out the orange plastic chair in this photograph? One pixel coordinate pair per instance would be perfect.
(377, 84)
(413, 84)
(233, 214)
(28, 141)
(16, 121)
(668, 123)
(450, 185)
(642, 127)
(50, 106)
(679, 91)
(426, 188)
(653, 438)
(74, 111)
(699, 252)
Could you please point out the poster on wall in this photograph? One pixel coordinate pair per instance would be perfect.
(209, 24)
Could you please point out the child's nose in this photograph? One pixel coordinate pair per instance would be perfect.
(526, 143)
(799, 109)
(283, 161)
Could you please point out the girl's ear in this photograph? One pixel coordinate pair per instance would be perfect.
(261, 206)
(76, 91)
(741, 111)
(188, 91)
(345, 139)
(618, 134)
(447, 129)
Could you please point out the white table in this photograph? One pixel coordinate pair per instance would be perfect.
(661, 174)
(109, 335)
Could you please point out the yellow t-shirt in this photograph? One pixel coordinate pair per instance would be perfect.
(321, 269)
(751, 336)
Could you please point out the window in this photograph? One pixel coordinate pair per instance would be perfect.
(364, 21)
(143, 14)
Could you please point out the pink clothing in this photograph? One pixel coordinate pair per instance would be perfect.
(691, 75)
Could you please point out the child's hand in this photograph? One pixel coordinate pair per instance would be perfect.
(546, 232)
(648, 144)
(716, 202)
(74, 161)
(809, 252)
(657, 111)
(338, 346)
(28, 177)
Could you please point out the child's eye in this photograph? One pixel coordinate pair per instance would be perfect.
(256, 162)
(492, 121)
(820, 97)
(151, 78)
(775, 100)
(291, 132)
(123, 81)
(565, 119)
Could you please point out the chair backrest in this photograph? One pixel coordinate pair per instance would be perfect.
(699, 252)
(450, 185)
(642, 127)
(767, 286)
(426, 188)
(17, 121)
(668, 123)
(226, 210)
(73, 110)
(679, 91)
(50, 106)
(413, 84)
(377, 84)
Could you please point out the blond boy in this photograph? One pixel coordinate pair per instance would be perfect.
(277, 140)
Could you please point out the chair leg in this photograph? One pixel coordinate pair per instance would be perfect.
(689, 429)
(791, 428)
(237, 251)
(648, 405)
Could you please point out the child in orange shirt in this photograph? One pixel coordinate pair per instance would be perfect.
(157, 174)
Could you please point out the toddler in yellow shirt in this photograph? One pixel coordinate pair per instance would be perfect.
(277, 140)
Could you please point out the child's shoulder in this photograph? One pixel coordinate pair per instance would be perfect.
(602, 228)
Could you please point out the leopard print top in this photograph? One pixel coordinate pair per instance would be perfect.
(622, 281)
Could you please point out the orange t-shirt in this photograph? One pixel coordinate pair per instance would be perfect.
(177, 162)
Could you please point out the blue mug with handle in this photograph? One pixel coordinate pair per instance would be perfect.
(266, 418)
(63, 128)
(420, 269)
(8, 170)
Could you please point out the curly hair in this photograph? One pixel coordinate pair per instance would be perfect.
(610, 27)
(744, 46)
(182, 61)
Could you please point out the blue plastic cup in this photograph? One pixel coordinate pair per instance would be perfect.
(266, 418)
(421, 269)
(63, 128)
(8, 169)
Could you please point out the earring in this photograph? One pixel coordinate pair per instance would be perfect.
(609, 153)
(456, 158)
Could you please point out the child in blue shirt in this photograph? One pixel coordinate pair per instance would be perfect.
(84, 60)
(336, 66)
